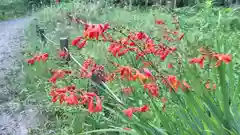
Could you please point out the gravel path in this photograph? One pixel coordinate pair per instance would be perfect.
(14, 118)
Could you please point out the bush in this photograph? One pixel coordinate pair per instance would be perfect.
(190, 90)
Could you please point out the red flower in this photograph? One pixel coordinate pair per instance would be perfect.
(72, 99)
(200, 61)
(76, 41)
(82, 44)
(222, 58)
(208, 85)
(140, 36)
(90, 99)
(126, 128)
(140, 76)
(93, 31)
(164, 51)
(144, 108)
(42, 57)
(127, 91)
(31, 61)
(147, 72)
(60, 93)
(125, 72)
(160, 22)
(129, 112)
(110, 77)
(89, 67)
(172, 83)
(62, 54)
(152, 89)
(170, 65)
(117, 49)
(185, 86)
(58, 74)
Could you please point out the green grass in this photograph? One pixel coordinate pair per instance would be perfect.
(186, 113)
(12, 9)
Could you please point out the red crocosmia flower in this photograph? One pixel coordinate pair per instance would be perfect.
(90, 101)
(199, 61)
(42, 57)
(82, 44)
(207, 85)
(117, 49)
(214, 86)
(172, 49)
(89, 67)
(140, 76)
(164, 54)
(60, 93)
(124, 41)
(175, 32)
(140, 35)
(173, 82)
(181, 37)
(110, 77)
(54, 96)
(62, 54)
(144, 108)
(121, 53)
(147, 72)
(149, 47)
(170, 65)
(76, 41)
(126, 128)
(93, 31)
(147, 63)
(163, 51)
(152, 89)
(72, 99)
(222, 58)
(164, 99)
(129, 112)
(160, 22)
(125, 72)
(127, 91)
(58, 74)
(31, 61)
(185, 86)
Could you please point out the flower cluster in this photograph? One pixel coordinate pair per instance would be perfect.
(129, 112)
(89, 67)
(42, 57)
(91, 31)
(58, 74)
(220, 58)
(69, 95)
(141, 45)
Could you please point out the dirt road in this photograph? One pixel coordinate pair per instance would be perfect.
(15, 119)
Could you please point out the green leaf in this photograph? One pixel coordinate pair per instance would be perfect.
(109, 130)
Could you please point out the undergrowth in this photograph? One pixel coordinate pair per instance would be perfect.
(201, 95)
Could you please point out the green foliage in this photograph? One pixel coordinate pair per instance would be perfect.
(11, 9)
(199, 112)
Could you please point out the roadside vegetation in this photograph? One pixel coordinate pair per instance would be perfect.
(135, 69)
